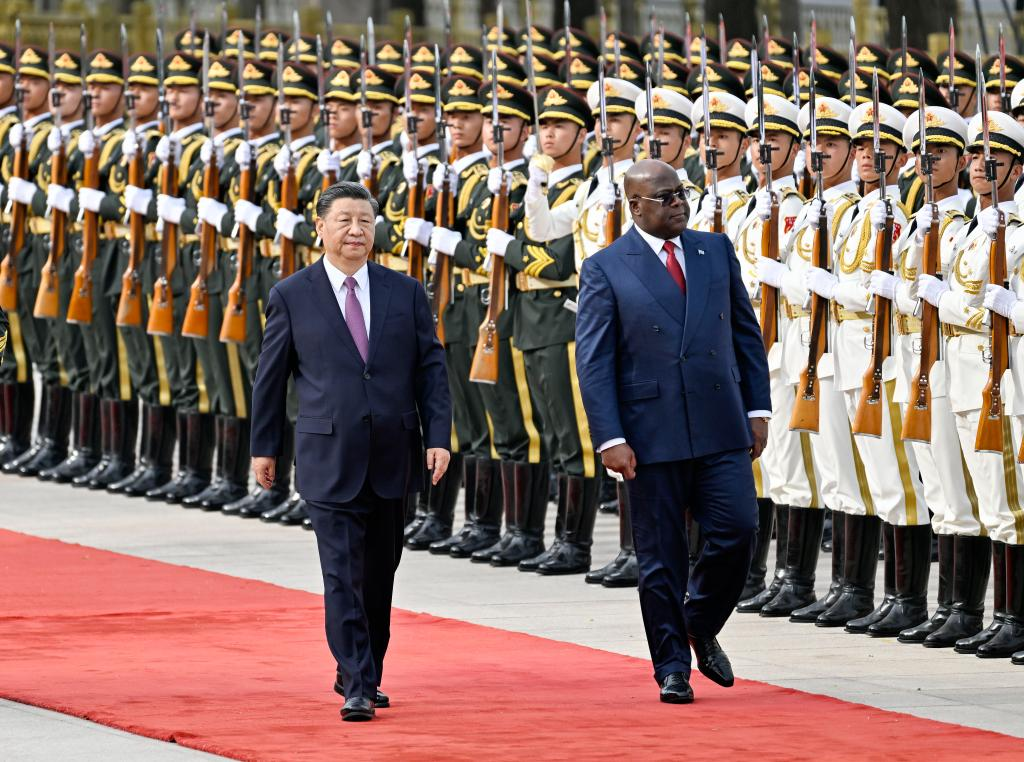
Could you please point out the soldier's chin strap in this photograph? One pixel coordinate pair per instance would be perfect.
(571, 146)
(1013, 161)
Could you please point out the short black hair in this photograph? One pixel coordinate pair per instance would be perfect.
(344, 189)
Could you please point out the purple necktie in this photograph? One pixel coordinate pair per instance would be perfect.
(354, 318)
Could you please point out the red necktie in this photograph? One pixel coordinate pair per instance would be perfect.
(674, 269)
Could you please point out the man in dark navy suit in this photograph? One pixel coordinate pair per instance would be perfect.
(358, 340)
(675, 383)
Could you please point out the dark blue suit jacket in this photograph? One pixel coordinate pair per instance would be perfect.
(675, 376)
(357, 422)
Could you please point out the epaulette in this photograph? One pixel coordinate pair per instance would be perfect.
(39, 135)
(567, 190)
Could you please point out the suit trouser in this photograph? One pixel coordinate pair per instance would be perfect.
(788, 467)
(719, 490)
(360, 545)
(997, 477)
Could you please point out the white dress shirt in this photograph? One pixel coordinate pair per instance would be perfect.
(338, 278)
(658, 247)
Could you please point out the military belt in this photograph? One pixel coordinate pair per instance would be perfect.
(907, 325)
(526, 282)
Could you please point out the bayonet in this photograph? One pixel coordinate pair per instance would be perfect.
(765, 37)
(371, 43)
(925, 157)
(329, 33)
(244, 107)
(284, 115)
(652, 141)
(224, 27)
(496, 126)
(499, 37)
(448, 39)
(796, 71)
(853, 63)
(86, 98)
(411, 120)
(954, 92)
(710, 154)
(687, 37)
(208, 104)
(439, 124)
(990, 163)
(531, 79)
(603, 32)
(325, 115)
(903, 47)
(19, 92)
(55, 93)
(764, 149)
(661, 55)
(192, 28)
(160, 89)
(1004, 96)
(129, 99)
(723, 49)
(296, 38)
(567, 18)
(257, 33)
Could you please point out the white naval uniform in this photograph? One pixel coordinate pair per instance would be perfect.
(735, 198)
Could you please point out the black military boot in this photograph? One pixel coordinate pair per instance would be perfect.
(194, 500)
(1010, 637)
(562, 504)
(913, 546)
(106, 450)
(797, 589)
(972, 558)
(627, 573)
(597, 576)
(124, 427)
(485, 530)
(263, 501)
(197, 448)
(17, 401)
(417, 508)
(583, 497)
(860, 624)
(828, 532)
(759, 562)
(969, 645)
(945, 596)
(756, 603)
(86, 451)
(33, 445)
(234, 481)
(530, 502)
(437, 526)
(508, 509)
(156, 453)
(55, 439)
(609, 494)
(809, 614)
(860, 561)
(443, 546)
(181, 437)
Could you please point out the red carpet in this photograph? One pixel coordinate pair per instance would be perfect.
(240, 668)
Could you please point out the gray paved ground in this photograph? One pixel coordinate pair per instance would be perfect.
(936, 684)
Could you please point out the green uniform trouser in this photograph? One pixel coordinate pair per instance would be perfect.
(470, 417)
(145, 363)
(108, 362)
(40, 350)
(188, 395)
(71, 348)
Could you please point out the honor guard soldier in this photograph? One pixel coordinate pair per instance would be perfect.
(669, 126)
(1000, 80)
(338, 158)
(726, 134)
(378, 165)
(964, 102)
(15, 429)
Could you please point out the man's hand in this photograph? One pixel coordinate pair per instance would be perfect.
(759, 429)
(621, 459)
(265, 470)
(437, 463)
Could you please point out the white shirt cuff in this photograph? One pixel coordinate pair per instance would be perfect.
(759, 414)
(611, 443)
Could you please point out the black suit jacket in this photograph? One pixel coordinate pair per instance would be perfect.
(358, 422)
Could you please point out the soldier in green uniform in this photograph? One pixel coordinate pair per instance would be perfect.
(338, 158)
(379, 167)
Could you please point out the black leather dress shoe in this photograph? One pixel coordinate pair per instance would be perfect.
(675, 689)
(712, 661)
(382, 700)
(357, 709)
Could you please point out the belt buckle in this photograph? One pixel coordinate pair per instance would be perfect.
(915, 345)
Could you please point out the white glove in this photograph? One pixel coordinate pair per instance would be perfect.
(418, 230)
(364, 164)
(763, 204)
(444, 240)
(90, 199)
(931, 289)
(814, 212)
(437, 180)
(247, 213)
(170, 208)
(707, 206)
(498, 241)
(54, 140)
(86, 143)
(58, 197)
(286, 222)
(411, 166)
(771, 271)
(243, 154)
(538, 175)
(988, 221)
(211, 211)
(924, 219)
(883, 284)
(212, 148)
(403, 140)
(21, 191)
(327, 163)
(821, 282)
(494, 179)
(17, 133)
(877, 215)
(606, 195)
(1000, 300)
(163, 149)
(530, 147)
(137, 199)
(130, 145)
(283, 162)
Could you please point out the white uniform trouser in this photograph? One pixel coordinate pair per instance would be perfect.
(997, 477)
(787, 465)
(890, 465)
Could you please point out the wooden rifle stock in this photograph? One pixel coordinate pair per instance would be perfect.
(613, 221)
(990, 424)
(80, 306)
(414, 207)
(441, 281)
(770, 294)
(289, 200)
(16, 240)
(161, 311)
(867, 420)
(807, 407)
(484, 369)
(917, 421)
(47, 302)
(234, 327)
(129, 306)
(197, 315)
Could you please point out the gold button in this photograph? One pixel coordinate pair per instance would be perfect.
(460, 287)
(558, 294)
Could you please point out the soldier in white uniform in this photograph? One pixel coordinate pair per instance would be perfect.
(729, 139)
(672, 125)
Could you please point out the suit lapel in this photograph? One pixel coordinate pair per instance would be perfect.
(654, 276)
(696, 283)
(380, 298)
(327, 304)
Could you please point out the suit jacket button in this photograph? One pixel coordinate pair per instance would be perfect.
(366, 376)
(712, 353)
(717, 387)
(721, 316)
(656, 329)
(684, 358)
(366, 419)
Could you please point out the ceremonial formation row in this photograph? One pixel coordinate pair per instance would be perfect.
(152, 199)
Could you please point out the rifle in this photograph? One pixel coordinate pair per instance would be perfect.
(903, 47)
(329, 178)
(18, 212)
(723, 47)
(46, 305)
(770, 227)
(415, 202)
(917, 420)
(289, 186)
(1004, 95)
(449, 40)
(954, 93)
(806, 409)
(234, 326)
(567, 42)
(484, 369)
(806, 184)
(868, 418)
(372, 182)
(654, 145)
(990, 426)
(197, 313)
(710, 153)
(80, 306)
(441, 281)
(129, 305)
(161, 310)
(852, 72)
(613, 219)
(687, 37)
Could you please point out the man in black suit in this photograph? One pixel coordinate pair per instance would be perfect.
(359, 341)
